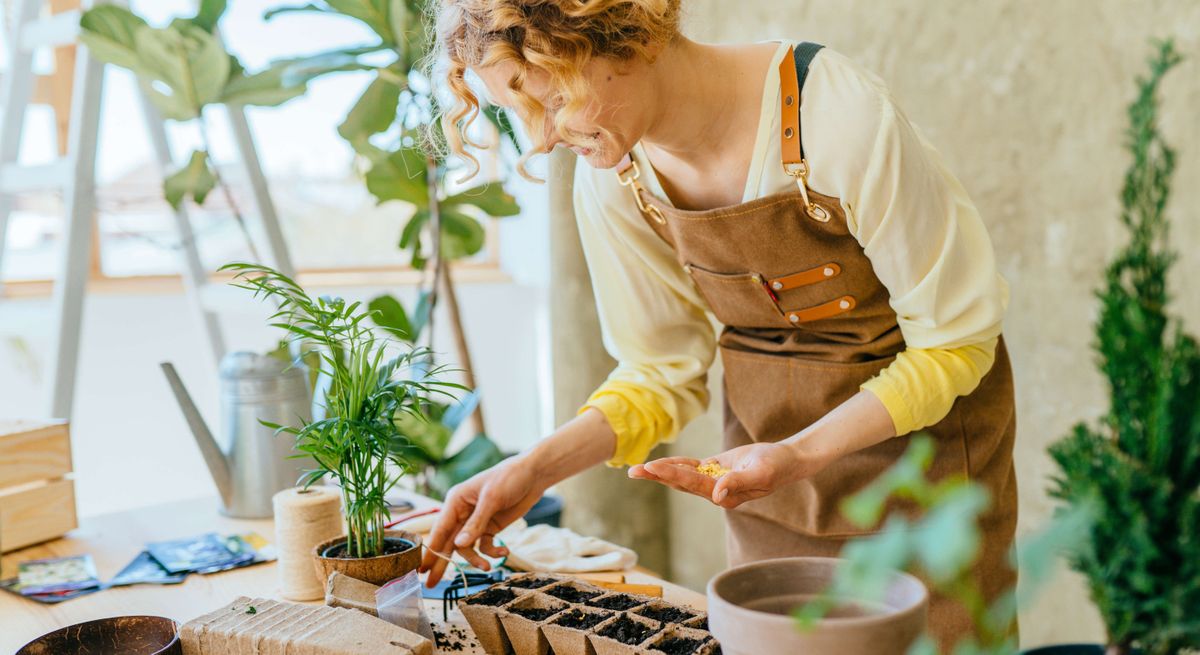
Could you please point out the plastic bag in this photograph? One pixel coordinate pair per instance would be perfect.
(399, 603)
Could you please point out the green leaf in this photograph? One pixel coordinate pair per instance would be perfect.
(491, 198)
(499, 118)
(265, 88)
(375, 13)
(458, 412)
(301, 70)
(295, 9)
(480, 454)
(189, 62)
(374, 112)
(948, 539)
(109, 33)
(195, 180)
(462, 236)
(209, 14)
(399, 175)
(431, 437)
(388, 313)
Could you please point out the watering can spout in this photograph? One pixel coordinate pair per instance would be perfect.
(218, 466)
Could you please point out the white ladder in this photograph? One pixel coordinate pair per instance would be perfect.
(75, 175)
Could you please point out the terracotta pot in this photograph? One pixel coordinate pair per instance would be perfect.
(377, 570)
(749, 610)
(129, 635)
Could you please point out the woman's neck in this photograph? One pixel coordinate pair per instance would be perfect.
(700, 90)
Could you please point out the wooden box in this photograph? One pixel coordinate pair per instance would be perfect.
(37, 494)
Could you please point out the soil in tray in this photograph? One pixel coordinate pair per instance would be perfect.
(530, 583)
(535, 613)
(578, 619)
(618, 602)
(391, 546)
(493, 597)
(573, 595)
(669, 614)
(678, 646)
(628, 631)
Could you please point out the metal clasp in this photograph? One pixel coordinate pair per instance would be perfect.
(631, 181)
(799, 170)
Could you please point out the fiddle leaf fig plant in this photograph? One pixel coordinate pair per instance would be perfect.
(373, 381)
(1141, 463)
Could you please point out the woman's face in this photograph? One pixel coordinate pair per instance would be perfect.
(617, 104)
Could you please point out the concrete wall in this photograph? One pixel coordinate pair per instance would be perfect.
(1026, 101)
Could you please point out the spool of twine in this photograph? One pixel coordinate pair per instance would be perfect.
(303, 519)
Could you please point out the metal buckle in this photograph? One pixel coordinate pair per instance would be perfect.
(631, 181)
(799, 170)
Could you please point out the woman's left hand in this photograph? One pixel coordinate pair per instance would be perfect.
(755, 470)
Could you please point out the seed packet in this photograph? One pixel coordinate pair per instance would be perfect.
(144, 569)
(206, 552)
(44, 576)
(12, 585)
(250, 548)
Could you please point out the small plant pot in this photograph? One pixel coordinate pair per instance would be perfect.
(129, 635)
(481, 610)
(663, 612)
(749, 611)
(531, 581)
(573, 591)
(616, 601)
(523, 619)
(568, 631)
(678, 640)
(378, 570)
(699, 623)
(623, 634)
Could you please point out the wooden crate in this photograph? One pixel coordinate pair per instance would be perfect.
(37, 494)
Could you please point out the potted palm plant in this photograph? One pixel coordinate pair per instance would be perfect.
(357, 444)
(1141, 464)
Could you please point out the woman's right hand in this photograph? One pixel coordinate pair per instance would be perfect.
(479, 508)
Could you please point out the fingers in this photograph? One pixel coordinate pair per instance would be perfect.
(682, 476)
(735, 488)
(488, 546)
(454, 513)
(480, 517)
(677, 461)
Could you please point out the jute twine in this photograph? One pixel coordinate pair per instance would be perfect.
(303, 519)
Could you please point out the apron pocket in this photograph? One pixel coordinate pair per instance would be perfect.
(739, 299)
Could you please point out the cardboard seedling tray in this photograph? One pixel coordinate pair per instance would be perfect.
(531, 613)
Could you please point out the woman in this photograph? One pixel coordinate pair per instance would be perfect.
(854, 277)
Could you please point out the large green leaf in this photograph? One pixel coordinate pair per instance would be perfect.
(375, 13)
(209, 14)
(388, 313)
(265, 88)
(427, 434)
(399, 175)
(195, 180)
(462, 235)
(499, 118)
(187, 66)
(295, 9)
(491, 198)
(109, 33)
(479, 454)
(301, 70)
(374, 112)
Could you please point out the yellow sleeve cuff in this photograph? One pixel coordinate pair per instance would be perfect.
(637, 418)
(920, 386)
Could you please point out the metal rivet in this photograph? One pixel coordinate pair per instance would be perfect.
(777, 285)
(845, 304)
(788, 101)
(787, 133)
(793, 318)
(828, 272)
(756, 278)
(687, 268)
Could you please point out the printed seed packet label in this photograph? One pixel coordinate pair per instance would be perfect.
(45, 576)
(203, 553)
(13, 585)
(145, 569)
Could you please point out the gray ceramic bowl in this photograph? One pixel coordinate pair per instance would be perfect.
(749, 611)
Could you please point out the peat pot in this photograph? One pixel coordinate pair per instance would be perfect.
(749, 611)
(404, 555)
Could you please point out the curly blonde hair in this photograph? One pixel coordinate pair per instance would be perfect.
(555, 36)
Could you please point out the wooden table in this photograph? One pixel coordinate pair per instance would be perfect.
(114, 539)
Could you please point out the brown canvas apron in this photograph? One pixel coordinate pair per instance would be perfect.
(806, 322)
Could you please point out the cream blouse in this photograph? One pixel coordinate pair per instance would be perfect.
(914, 220)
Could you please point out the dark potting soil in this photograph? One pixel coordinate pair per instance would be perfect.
(628, 631)
(492, 597)
(703, 625)
(530, 583)
(535, 613)
(579, 619)
(617, 602)
(668, 614)
(391, 546)
(572, 595)
(678, 645)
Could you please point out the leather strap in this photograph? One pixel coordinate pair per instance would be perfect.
(831, 308)
(804, 278)
(793, 70)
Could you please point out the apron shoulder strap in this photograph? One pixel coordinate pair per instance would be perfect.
(792, 73)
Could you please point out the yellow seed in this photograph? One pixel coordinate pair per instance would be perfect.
(712, 469)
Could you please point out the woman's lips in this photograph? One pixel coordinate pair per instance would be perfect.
(583, 152)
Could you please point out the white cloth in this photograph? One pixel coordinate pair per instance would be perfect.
(549, 549)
